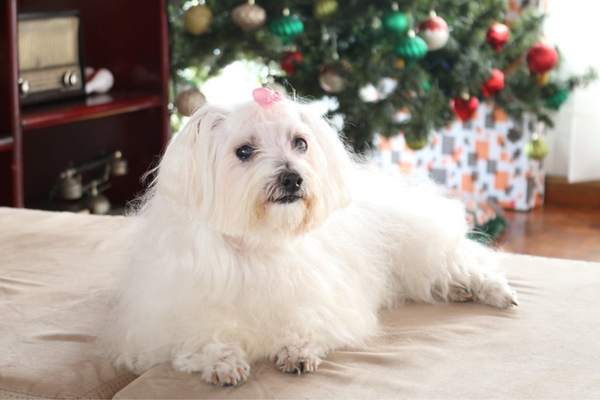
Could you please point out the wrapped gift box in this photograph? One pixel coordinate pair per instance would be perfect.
(483, 160)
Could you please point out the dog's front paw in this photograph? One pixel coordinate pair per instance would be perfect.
(496, 293)
(297, 359)
(218, 364)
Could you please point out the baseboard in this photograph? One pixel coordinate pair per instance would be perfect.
(562, 193)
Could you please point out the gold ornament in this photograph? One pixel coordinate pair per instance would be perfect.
(543, 79)
(197, 19)
(249, 16)
(537, 148)
(416, 143)
(399, 63)
(188, 101)
(325, 8)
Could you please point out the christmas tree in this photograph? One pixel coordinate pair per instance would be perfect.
(408, 66)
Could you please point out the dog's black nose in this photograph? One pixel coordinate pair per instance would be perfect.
(291, 182)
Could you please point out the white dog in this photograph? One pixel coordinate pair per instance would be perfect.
(262, 238)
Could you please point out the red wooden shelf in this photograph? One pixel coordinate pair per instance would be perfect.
(91, 107)
(6, 143)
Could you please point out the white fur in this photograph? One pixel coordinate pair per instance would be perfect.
(220, 277)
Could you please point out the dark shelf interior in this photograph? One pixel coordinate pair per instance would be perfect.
(6, 143)
(91, 107)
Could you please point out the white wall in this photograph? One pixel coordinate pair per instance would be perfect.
(575, 140)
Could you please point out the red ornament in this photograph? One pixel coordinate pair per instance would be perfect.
(497, 35)
(465, 108)
(494, 84)
(541, 58)
(290, 61)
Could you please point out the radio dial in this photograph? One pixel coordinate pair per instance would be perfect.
(23, 86)
(70, 79)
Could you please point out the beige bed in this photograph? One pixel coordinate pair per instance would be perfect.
(54, 276)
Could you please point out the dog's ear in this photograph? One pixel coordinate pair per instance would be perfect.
(186, 171)
(336, 181)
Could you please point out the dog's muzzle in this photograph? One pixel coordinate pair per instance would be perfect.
(289, 187)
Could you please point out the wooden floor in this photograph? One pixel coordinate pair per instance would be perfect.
(554, 231)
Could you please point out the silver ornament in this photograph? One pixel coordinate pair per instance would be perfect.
(249, 16)
(333, 77)
(331, 82)
(188, 101)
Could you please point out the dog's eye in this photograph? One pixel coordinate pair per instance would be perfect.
(244, 152)
(299, 144)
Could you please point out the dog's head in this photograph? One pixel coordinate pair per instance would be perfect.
(269, 170)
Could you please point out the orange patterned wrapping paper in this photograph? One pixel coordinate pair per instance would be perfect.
(482, 160)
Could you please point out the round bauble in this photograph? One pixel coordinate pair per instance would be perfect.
(197, 19)
(415, 143)
(287, 27)
(465, 107)
(537, 148)
(497, 35)
(434, 30)
(290, 60)
(249, 17)
(411, 47)
(396, 22)
(325, 8)
(557, 99)
(188, 101)
(332, 77)
(399, 63)
(494, 84)
(368, 93)
(541, 58)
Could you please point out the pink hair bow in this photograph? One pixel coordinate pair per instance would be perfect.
(265, 97)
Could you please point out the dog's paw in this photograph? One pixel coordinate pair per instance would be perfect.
(218, 364)
(297, 359)
(496, 293)
(459, 294)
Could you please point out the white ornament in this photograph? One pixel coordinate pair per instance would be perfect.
(434, 30)
(368, 93)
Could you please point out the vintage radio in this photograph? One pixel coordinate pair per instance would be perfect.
(50, 57)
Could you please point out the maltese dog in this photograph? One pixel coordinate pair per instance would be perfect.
(261, 238)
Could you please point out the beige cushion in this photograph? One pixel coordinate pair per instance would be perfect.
(548, 348)
(54, 268)
(52, 271)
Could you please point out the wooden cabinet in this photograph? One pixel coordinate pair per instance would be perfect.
(37, 142)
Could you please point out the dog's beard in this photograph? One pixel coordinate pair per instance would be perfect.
(284, 212)
(275, 193)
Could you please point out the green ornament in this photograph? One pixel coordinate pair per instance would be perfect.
(325, 8)
(557, 99)
(411, 47)
(287, 27)
(536, 149)
(396, 22)
(416, 143)
(426, 85)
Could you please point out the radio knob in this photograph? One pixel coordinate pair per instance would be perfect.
(23, 86)
(70, 78)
